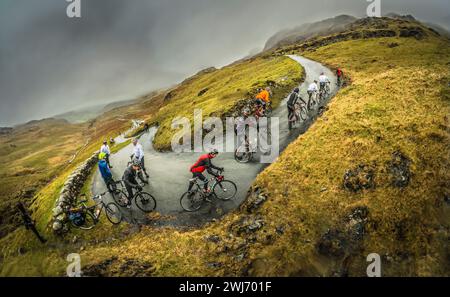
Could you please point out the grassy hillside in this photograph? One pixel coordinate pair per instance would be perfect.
(217, 92)
(30, 157)
(394, 120)
(370, 176)
(21, 254)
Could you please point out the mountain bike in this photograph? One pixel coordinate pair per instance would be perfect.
(143, 200)
(86, 217)
(221, 188)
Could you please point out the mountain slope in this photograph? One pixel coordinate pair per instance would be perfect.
(388, 133)
(308, 30)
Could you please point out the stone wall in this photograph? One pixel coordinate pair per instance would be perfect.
(69, 193)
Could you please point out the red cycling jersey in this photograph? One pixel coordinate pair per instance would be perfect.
(202, 163)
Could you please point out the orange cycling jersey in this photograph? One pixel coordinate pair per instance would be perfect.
(263, 95)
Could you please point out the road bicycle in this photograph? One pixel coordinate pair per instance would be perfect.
(246, 151)
(297, 114)
(313, 100)
(221, 188)
(143, 200)
(324, 92)
(86, 217)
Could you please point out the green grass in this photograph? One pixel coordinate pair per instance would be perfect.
(226, 87)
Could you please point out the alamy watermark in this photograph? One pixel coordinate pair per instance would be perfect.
(73, 10)
(374, 8)
(74, 268)
(248, 134)
(374, 268)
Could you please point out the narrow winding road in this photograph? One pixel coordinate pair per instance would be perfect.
(169, 172)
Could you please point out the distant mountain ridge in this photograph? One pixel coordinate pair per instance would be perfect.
(309, 30)
(88, 113)
(330, 26)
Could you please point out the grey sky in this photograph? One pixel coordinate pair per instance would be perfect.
(119, 49)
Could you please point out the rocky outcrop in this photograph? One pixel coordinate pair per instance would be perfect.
(69, 193)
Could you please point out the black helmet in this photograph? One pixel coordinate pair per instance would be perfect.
(296, 90)
(135, 162)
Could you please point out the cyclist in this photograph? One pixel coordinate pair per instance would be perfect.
(138, 153)
(129, 178)
(202, 164)
(105, 149)
(312, 89)
(340, 76)
(241, 123)
(323, 80)
(105, 171)
(263, 98)
(293, 98)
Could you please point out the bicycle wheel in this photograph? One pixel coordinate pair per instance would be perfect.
(145, 202)
(303, 114)
(88, 224)
(191, 200)
(113, 213)
(225, 190)
(120, 197)
(242, 155)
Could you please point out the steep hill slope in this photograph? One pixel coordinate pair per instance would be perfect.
(372, 175)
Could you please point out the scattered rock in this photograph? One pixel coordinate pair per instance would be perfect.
(399, 168)
(359, 178)
(213, 238)
(415, 32)
(280, 229)
(332, 243)
(393, 44)
(255, 200)
(356, 222)
(202, 92)
(22, 250)
(214, 265)
(247, 225)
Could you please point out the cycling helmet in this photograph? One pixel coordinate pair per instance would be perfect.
(214, 152)
(296, 90)
(101, 156)
(135, 162)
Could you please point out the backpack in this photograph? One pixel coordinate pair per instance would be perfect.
(77, 218)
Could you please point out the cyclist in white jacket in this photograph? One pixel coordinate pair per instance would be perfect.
(138, 154)
(323, 80)
(311, 90)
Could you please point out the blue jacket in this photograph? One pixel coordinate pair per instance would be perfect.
(104, 170)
